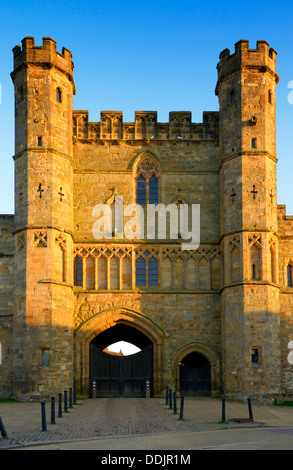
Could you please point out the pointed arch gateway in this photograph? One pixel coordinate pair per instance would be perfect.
(196, 370)
(94, 333)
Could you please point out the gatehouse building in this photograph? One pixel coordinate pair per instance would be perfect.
(214, 321)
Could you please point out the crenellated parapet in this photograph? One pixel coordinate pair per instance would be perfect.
(46, 54)
(146, 126)
(262, 58)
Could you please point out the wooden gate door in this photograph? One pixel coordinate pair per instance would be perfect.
(195, 381)
(121, 376)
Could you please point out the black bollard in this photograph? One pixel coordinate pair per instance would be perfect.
(170, 399)
(175, 404)
(223, 410)
(60, 405)
(2, 429)
(53, 410)
(74, 395)
(65, 401)
(167, 395)
(44, 423)
(250, 409)
(70, 398)
(181, 408)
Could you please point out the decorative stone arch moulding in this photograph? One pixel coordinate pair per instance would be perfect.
(101, 321)
(146, 164)
(208, 353)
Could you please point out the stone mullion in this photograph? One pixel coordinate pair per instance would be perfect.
(133, 271)
(83, 273)
(120, 273)
(160, 266)
(108, 273)
(96, 273)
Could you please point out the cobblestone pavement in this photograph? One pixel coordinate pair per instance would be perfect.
(112, 417)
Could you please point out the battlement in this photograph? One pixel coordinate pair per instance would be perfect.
(45, 54)
(263, 57)
(179, 127)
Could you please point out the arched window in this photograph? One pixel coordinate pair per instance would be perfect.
(147, 180)
(140, 272)
(58, 95)
(253, 143)
(78, 274)
(153, 272)
(141, 190)
(289, 275)
(153, 190)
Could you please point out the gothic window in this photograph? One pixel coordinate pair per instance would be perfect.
(40, 141)
(141, 190)
(140, 272)
(153, 190)
(147, 271)
(153, 272)
(78, 275)
(147, 181)
(58, 95)
(289, 275)
(253, 143)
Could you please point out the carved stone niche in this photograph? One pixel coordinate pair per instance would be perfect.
(145, 124)
(180, 124)
(111, 124)
(80, 124)
(128, 130)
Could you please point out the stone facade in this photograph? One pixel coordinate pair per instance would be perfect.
(230, 301)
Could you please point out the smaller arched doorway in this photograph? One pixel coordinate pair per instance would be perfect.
(195, 375)
(117, 375)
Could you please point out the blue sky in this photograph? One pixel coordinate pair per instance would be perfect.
(151, 55)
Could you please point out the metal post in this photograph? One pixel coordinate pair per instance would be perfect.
(70, 398)
(181, 408)
(2, 428)
(250, 409)
(74, 395)
(167, 395)
(44, 424)
(223, 410)
(175, 404)
(60, 406)
(65, 400)
(53, 410)
(170, 399)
